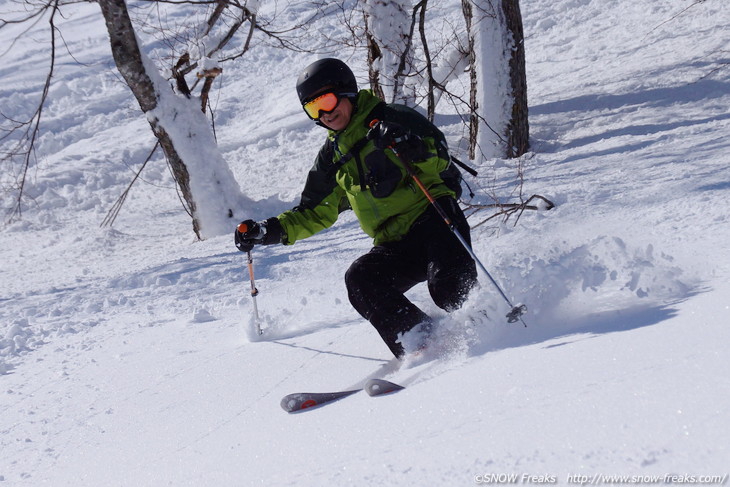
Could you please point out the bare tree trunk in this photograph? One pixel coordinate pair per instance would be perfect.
(518, 128)
(497, 22)
(389, 26)
(420, 9)
(373, 56)
(128, 59)
(466, 6)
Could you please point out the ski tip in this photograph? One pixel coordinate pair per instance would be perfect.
(298, 402)
(293, 404)
(379, 387)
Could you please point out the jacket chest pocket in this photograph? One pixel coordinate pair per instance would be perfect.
(382, 176)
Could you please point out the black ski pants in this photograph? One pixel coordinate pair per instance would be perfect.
(430, 252)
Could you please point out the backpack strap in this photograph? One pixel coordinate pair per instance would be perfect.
(375, 113)
(465, 167)
(353, 152)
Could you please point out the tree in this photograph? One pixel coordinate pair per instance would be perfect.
(177, 120)
(389, 34)
(403, 68)
(491, 47)
(498, 99)
(180, 126)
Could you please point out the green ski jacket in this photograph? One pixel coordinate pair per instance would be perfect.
(351, 173)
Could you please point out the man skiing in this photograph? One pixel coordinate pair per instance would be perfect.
(363, 166)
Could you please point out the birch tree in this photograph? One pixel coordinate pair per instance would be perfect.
(499, 124)
(206, 184)
(389, 34)
(202, 174)
(404, 69)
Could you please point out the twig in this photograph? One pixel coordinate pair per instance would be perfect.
(111, 216)
(508, 209)
(673, 17)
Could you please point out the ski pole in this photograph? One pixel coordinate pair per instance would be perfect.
(516, 312)
(254, 292)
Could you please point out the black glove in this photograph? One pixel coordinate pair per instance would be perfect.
(395, 136)
(249, 233)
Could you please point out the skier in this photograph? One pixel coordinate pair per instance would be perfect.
(361, 167)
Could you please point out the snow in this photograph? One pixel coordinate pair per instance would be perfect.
(126, 353)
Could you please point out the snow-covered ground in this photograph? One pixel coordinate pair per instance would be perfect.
(126, 357)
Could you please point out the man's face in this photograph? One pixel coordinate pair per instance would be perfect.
(338, 118)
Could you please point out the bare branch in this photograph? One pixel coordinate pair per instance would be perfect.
(507, 210)
(210, 76)
(215, 17)
(697, 2)
(30, 129)
(431, 104)
(113, 213)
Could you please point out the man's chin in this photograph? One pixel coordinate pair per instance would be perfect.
(332, 124)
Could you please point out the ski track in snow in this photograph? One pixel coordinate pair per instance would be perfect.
(126, 354)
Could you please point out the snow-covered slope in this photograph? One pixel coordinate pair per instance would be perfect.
(126, 356)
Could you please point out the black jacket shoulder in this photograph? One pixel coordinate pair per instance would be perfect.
(321, 178)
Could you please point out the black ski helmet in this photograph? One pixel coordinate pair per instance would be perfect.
(328, 73)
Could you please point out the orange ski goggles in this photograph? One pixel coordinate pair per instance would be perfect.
(324, 103)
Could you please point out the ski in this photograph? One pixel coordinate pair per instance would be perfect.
(302, 401)
(380, 387)
(305, 401)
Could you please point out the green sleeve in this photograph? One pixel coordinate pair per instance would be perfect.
(321, 202)
(302, 222)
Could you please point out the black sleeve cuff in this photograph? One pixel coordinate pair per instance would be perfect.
(274, 232)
